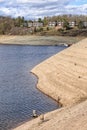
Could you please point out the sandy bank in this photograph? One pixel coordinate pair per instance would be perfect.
(67, 118)
(38, 40)
(64, 76)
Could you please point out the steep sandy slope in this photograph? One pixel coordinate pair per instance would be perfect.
(67, 118)
(64, 76)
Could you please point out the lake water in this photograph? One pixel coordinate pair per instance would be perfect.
(18, 92)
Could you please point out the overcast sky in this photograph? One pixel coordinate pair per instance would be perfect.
(33, 9)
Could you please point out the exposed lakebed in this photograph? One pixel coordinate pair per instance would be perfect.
(18, 92)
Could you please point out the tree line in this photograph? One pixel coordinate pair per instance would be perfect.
(10, 25)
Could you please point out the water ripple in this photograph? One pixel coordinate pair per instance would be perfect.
(18, 94)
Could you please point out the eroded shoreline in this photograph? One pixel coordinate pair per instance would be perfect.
(38, 40)
(64, 76)
(56, 71)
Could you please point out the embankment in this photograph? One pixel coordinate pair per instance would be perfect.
(64, 78)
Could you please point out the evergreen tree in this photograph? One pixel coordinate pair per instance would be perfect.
(66, 25)
(80, 25)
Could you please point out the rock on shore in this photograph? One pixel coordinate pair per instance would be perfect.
(64, 78)
(67, 118)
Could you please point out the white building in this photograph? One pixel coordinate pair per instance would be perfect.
(35, 24)
(51, 24)
(72, 24)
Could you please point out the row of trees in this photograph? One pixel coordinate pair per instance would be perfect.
(8, 23)
(62, 18)
(79, 25)
(78, 19)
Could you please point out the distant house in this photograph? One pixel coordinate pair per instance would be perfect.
(85, 24)
(51, 24)
(25, 24)
(72, 24)
(30, 24)
(35, 24)
(60, 23)
(56, 23)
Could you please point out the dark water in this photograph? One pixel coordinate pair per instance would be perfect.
(18, 94)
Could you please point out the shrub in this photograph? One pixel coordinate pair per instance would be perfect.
(47, 28)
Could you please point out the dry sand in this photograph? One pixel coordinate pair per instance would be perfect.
(65, 74)
(37, 40)
(67, 118)
(64, 77)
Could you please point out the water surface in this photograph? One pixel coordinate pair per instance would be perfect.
(18, 92)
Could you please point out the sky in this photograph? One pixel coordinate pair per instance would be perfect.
(34, 9)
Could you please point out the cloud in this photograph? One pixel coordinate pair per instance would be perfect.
(32, 9)
(30, 1)
(1, 0)
(43, 2)
(81, 9)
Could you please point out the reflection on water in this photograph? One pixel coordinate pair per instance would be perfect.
(18, 94)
